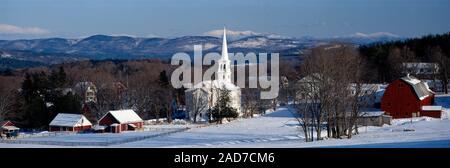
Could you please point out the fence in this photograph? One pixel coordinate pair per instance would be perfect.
(46, 134)
(105, 143)
(22, 135)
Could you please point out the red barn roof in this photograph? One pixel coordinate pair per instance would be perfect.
(6, 123)
(421, 88)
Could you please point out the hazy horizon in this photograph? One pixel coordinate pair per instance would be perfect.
(25, 19)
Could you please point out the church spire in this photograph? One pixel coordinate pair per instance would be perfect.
(224, 45)
(224, 71)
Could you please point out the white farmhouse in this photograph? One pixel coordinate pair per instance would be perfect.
(88, 90)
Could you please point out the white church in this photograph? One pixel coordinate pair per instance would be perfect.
(203, 96)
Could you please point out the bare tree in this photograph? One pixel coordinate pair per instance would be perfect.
(444, 62)
(251, 102)
(198, 103)
(8, 93)
(306, 105)
(324, 94)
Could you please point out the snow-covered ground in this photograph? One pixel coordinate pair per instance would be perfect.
(93, 139)
(275, 129)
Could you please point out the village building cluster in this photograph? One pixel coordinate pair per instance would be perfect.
(406, 97)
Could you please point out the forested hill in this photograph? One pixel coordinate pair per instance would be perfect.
(385, 58)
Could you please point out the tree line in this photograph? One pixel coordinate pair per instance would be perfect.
(385, 59)
(34, 96)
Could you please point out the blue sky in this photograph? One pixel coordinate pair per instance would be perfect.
(172, 18)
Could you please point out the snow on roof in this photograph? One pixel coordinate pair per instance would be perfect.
(70, 120)
(10, 128)
(367, 86)
(125, 116)
(371, 113)
(99, 127)
(411, 80)
(420, 88)
(431, 108)
(219, 84)
(420, 65)
(84, 84)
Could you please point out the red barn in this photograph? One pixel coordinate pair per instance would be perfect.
(69, 122)
(406, 96)
(121, 120)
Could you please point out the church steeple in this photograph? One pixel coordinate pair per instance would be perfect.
(224, 45)
(224, 71)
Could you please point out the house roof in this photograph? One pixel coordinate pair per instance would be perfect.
(124, 116)
(431, 108)
(3, 123)
(218, 84)
(421, 88)
(421, 67)
(371, 113)
(84, 84)
(70, 120)
(99, 127)
(10, 128)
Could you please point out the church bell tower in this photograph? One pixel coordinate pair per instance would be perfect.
(224, 71)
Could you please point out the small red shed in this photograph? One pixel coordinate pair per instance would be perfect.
(121, 120)
(6, 123)
(7, 126)
(406, 96)
(8, 129)
(431, 111)
(69, 122)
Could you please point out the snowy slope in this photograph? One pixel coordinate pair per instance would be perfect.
(276, 126)
(277, 129)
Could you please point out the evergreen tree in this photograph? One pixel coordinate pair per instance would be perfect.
(57, 78)
(410, 50)
(34, 106)
(69, 103)
(44, 98)
(163, 79)
(27, 88)
(36, 113)
(222, 109)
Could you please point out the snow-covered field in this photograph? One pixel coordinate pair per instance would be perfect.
(276, 129)
(92, 139)
(278, 126)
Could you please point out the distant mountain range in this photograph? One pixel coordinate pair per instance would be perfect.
(57, 50)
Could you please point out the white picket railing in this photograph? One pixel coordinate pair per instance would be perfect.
(167, 131)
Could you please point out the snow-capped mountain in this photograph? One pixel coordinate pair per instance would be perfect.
(363, 38)
(124, 47)
(127, 47)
